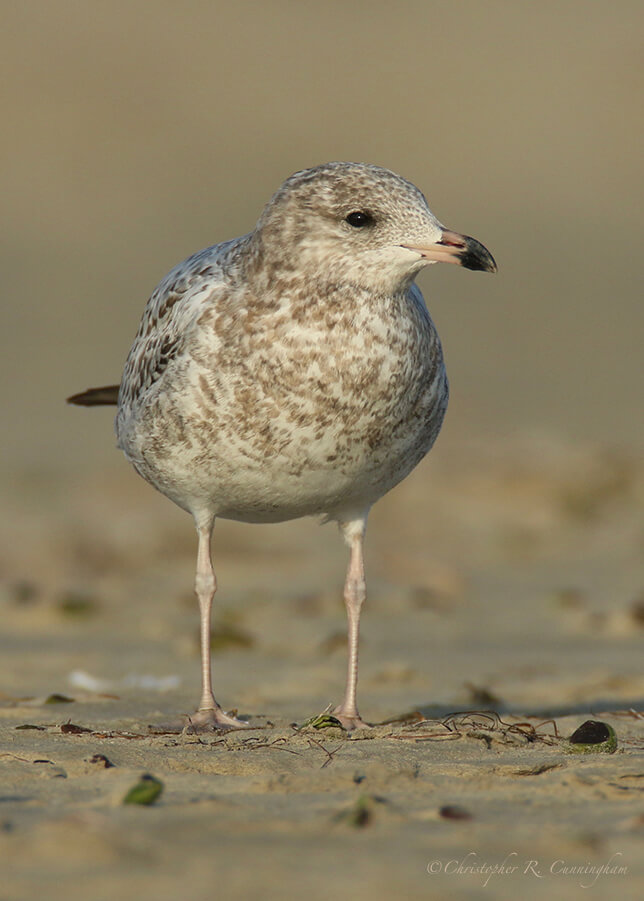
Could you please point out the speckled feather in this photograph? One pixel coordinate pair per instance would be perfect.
(295, 370)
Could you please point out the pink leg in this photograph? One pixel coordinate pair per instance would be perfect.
(355, 591)
(210, 715)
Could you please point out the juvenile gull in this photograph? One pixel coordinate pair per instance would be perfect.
(294, 371)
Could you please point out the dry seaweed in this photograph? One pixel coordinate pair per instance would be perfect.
(484, 725)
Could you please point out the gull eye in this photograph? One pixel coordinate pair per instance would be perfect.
(359, 219)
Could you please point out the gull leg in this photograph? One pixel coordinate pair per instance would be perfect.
(210, 715)
(355, 591)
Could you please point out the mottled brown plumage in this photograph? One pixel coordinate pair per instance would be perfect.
(294, 371)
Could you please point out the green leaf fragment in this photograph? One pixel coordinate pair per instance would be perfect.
(323, 721)
(75, 604)
(592, 737)
(145, 792)
(360, 814)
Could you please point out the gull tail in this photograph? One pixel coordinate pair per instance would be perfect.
(96, 397)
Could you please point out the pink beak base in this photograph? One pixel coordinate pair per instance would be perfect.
(460, 249)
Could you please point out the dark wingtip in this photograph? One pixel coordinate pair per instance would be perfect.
(96, 397)
(476, 256)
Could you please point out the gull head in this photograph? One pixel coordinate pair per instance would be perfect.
(361, 224)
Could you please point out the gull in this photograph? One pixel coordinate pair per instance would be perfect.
(294, 371)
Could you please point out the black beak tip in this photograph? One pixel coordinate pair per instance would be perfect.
(477, 257)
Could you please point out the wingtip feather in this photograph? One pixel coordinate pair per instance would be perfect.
(96, 397)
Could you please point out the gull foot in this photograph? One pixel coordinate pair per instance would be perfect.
(350, 721)
(212, 720)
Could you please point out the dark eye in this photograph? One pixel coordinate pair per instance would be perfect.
(359, 219)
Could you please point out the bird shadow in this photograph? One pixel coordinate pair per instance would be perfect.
(602, 705)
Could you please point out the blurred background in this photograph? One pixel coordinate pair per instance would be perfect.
(137, 133)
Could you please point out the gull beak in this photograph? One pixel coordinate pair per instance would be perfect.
(461, 249)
